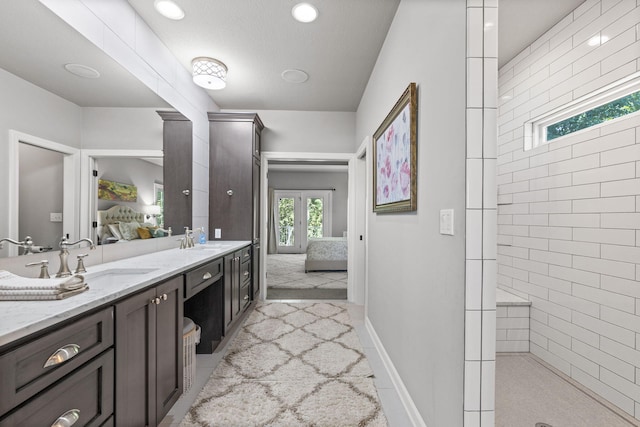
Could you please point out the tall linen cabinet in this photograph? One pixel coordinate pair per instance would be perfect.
(234, 181)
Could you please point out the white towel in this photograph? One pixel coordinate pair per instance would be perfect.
(38, 295)
(10, 281)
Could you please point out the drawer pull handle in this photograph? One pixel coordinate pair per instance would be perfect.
(67, 419)
(164, 297)
(246, 297)
(206, 276)
(246, 273)
(155, 301)
(246, 255)
(62, 355)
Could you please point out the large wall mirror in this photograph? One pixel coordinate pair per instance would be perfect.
(57, 127)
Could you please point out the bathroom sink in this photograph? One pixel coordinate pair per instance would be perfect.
(118, 274)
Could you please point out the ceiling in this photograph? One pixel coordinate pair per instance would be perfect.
(257, 39)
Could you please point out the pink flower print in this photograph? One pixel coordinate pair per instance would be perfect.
(394, 182)
(387, 165)
(386, 192)
(389, 140)
(405, 178)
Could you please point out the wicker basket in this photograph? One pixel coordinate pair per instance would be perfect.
(190, 338)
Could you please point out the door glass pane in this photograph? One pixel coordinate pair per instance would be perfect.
(314, 217)
(285, 221)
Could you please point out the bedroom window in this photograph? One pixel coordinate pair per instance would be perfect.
(302, 215)
(610, 103)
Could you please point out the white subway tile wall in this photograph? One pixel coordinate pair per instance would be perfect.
(570, 210)
(481, 212)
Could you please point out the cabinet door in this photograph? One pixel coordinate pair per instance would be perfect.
(169, 363)
(229, 264)
(230, 183)
(136, 360)
(256, 200)
(177, 171)
(255, 276)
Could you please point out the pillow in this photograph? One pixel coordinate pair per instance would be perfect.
(115, 230)
(144, 233)
(129, 230)
(158, 232)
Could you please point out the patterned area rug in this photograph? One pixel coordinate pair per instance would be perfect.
(291, 365)
(286, 271)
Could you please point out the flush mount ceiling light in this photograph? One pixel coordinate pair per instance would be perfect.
(169, 9)
(209, 73)
(304, 12)
(82, 71)
(294, 76)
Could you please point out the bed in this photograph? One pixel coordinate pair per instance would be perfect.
(121, 223)
(326, 253)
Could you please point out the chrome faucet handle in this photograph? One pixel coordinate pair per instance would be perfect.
(182, 243)
(44, 268)
(80, 267)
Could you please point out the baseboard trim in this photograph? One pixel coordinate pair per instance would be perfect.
(398, 384)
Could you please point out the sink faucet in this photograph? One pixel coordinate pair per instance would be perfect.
(26, 244)
(188, 235)
(64, 271)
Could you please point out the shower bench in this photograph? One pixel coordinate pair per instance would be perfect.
(512, 323)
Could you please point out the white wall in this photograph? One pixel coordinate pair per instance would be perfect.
(308, 131)
(281, 180)
(121, 129)
(34, 111)
(416, 275)
(569, 214)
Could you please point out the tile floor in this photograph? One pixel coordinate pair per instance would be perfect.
(391, 404)
(528, 392)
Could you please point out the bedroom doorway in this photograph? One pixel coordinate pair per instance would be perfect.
(300, 216)
(304, 199)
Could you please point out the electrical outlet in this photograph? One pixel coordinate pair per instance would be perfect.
(218, 233)
(55, 216)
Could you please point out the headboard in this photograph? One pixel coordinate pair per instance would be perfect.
(116, 214)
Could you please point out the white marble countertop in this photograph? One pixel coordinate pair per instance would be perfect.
(107, 282)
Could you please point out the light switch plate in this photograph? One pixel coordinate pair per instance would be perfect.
(217, 233)
(446, 221)
(55, 216)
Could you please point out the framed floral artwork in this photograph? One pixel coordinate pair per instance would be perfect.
(395, 156)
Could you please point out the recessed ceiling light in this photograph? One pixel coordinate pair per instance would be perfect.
(506, 97)
(82, 71)
(304, 12)
(294, 76)
(169, 9)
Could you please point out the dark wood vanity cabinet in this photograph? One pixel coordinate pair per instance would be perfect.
(234, 175)
(149, 356)
(63, 374)
(237, 286)
(177, 171)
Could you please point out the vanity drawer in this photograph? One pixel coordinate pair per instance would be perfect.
(23, 369)
(87, 395)
(245, 273)
(201, 277)
(246, 254)
(245, 296)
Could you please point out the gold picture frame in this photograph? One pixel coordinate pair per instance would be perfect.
(395, 157)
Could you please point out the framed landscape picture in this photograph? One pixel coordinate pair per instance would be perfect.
(116, 191)
(395, 157)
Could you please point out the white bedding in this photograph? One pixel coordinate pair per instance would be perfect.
(327, 248)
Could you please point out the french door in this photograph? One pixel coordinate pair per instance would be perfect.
(301, 215)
